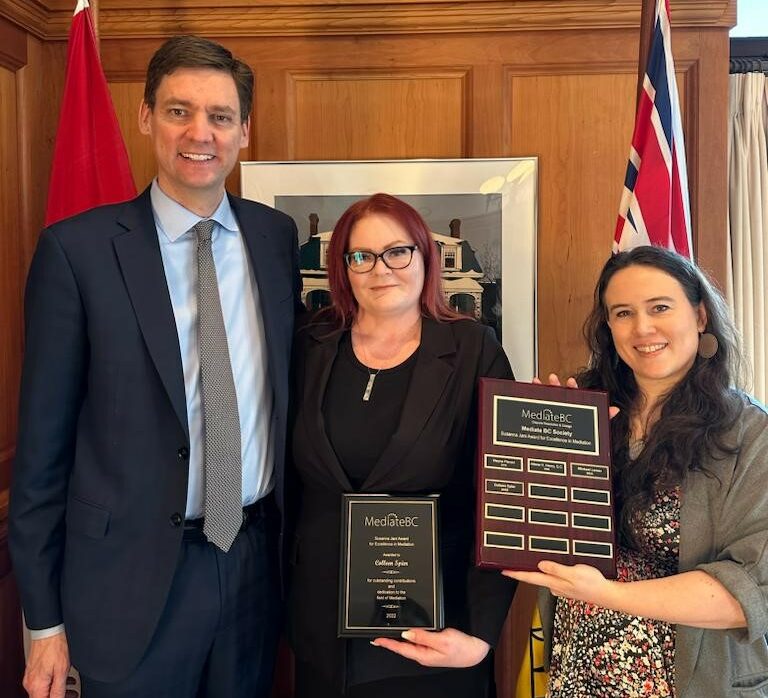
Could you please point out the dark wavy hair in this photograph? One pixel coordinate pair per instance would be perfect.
(343, 304)
(692, 418)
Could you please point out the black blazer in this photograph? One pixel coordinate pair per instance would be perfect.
(432, 450)
(100, 476)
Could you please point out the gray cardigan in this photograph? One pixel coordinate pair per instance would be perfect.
(723, 531)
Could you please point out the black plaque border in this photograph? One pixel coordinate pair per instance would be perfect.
(346, 631)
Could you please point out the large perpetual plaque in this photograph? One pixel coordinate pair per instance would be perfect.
(390, 565)
(544, 477)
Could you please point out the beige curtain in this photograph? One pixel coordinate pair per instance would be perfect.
(748, 220)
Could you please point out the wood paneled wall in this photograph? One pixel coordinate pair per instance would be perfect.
(25, 138)
(10, 249)
(31, 77)
(364, 80)
(565, 96)
(31, 80)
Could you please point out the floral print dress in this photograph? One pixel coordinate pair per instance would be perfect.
(599, 653)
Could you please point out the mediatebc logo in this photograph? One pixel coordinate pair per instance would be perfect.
(548, 415)
(392, 520)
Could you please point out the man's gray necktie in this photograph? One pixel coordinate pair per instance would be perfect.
(221, 422)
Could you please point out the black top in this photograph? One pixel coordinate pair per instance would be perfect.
(359, 430)
(432, 450)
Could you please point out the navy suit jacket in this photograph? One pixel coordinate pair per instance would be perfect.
(100, 476)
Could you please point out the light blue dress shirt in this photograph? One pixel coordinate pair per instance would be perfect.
(245, 337)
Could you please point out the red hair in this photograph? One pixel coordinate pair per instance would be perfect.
(343, 304)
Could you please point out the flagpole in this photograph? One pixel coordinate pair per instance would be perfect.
(647, 14)
(95, 15)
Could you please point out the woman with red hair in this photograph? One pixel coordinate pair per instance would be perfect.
(386, 393)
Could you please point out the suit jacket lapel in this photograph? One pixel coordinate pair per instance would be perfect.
(319, 358)
(138, 253)
(430, 376)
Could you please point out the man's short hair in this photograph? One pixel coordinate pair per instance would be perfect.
(196, 52)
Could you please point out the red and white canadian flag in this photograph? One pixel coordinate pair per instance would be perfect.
(90, 162)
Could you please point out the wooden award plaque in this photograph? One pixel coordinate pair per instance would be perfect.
(544, 477)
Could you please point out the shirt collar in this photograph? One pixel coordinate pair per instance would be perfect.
(173, 220)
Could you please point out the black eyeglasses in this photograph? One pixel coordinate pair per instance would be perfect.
(363, 261)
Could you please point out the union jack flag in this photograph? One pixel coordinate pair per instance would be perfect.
(654, 207)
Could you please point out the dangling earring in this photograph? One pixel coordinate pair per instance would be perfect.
(708, 345)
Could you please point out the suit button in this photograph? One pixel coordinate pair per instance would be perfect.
(176, 519)
(183, 453)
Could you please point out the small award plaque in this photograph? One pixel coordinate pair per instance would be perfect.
(390, 565)
(544, 477)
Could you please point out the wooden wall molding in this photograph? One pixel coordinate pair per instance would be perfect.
(586, 68)
(579, 68)
(404, 73)
(50, 19)
(32, 15)
(242, 18)
(13, 46)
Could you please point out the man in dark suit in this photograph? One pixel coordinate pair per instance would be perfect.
(148, 482)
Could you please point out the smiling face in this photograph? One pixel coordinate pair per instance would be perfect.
(655, 328)
(383, 291)
(197, 134)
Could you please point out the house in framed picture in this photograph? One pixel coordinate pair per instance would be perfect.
(481, 212)
(461, 271)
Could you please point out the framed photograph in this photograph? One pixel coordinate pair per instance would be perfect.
(482, 214)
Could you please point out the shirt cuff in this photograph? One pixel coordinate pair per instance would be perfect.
(46, 632)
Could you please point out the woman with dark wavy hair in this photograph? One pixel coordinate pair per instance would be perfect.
(386, 392)
(688, 613)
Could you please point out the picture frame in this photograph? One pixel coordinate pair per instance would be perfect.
(482, 214)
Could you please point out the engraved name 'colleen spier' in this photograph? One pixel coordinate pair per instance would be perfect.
(392, 520)
(547, 415)
(385, 562)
